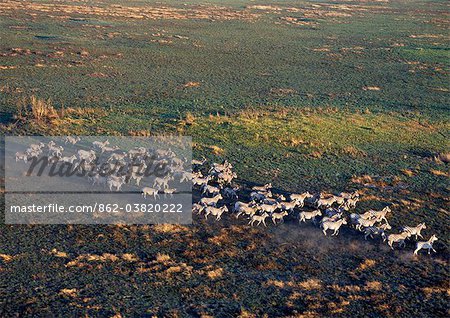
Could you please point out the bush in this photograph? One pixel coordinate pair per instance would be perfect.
(36, 109)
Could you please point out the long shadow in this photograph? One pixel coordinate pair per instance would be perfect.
(346, 231)
(6, 117)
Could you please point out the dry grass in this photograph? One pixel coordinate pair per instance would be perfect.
(216, 150)
(63, 10)
(245, 314)
(162, 258)
(439, 173)
(429, 291)
(371, 88)
(408, 172)
(140, 133)
(189, 119)
(85, 111)
(365, 179)
(42, 109)
(38, 116)
(6, 258)
(214, 274)
(373, 286)
(83, 259)
(316, 154)
(311, 284)
(353, 152)
(37, 110)
(282, 91)
(169, 228)
(346, 288)
(368, 263)
(295, 141)
(69, 292)
(57, 253)
(130, 257)
(275, 283)
(182, 268)
(443, 157)
(191, 84)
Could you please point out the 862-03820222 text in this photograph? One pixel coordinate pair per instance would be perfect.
(100, 208)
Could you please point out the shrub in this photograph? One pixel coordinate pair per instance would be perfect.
(190, 118)
(36, 109)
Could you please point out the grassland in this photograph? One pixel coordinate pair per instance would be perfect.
(115, 61)
(309, 95)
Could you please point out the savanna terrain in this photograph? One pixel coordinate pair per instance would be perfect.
(308, 95)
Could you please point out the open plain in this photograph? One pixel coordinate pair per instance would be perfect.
(319, 96)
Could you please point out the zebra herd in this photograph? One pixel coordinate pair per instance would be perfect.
(329, 212)
(219, 194)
